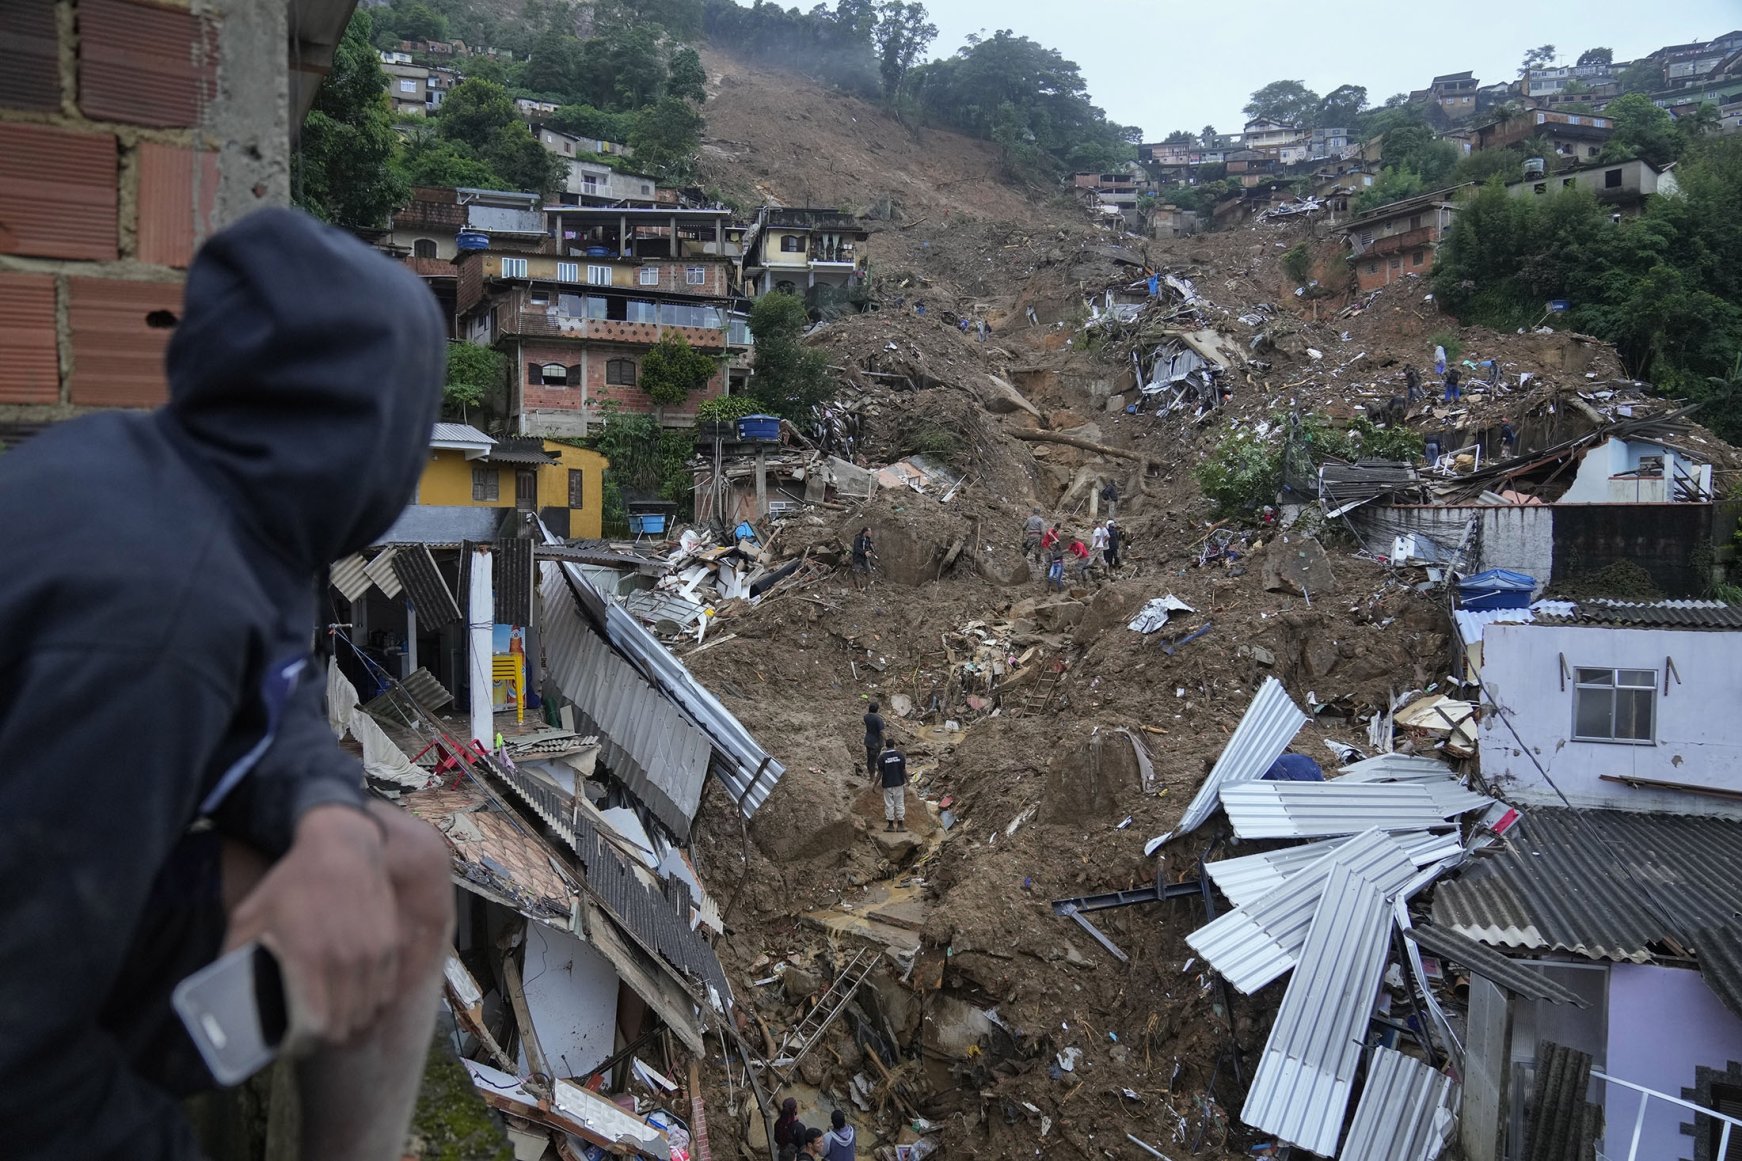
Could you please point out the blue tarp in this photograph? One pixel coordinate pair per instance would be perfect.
(1498, 588)
(1294, 768)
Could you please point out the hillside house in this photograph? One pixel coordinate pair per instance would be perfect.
(1387, 243)
(1574, 137)
(1690, 64)
(1624, 186)
(816, 253)
(468, 469)
(576, 323)
(416, 90)
(1267, 134)
(1251, 167)
(1455, 94)
(1327, 143)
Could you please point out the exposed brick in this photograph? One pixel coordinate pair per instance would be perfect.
(117, 355)
(29, 363)
(57, 192)
(144, 64)
(178, 190)
(31, 76)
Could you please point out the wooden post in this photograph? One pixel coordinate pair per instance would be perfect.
(761, 482)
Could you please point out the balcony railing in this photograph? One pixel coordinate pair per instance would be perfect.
(1646, 1096)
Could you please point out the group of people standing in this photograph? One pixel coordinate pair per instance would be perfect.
(1049, 546)
(795, 1140)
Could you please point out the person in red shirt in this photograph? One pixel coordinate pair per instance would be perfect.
(1052, 537)
(1079, 556)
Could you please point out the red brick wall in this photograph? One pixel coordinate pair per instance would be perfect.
(537, 397)
(104, 194)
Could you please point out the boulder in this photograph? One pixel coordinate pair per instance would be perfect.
(1298, 564)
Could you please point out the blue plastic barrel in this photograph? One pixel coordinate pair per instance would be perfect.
(759, 429)
(472, 240)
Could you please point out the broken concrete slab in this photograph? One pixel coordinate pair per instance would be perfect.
(1298, 564)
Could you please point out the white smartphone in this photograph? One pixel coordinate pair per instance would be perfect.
(234, 1009)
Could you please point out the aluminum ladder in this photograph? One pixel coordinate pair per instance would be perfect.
(824, 1012)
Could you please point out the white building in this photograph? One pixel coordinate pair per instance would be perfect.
(1638, 472)
(1618, 705)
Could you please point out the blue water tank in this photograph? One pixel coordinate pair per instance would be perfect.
(759, 429)
(472, 240)
(598, 251)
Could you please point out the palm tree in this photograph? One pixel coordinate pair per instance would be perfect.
(1703, 120)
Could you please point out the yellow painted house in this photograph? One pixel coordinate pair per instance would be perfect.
(469, 469)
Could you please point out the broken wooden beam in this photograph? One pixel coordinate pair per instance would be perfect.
(1082, 444)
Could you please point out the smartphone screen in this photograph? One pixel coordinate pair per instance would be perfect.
(234, 1009)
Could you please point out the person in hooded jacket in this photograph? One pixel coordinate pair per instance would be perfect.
(171, 786)
(839, 1143)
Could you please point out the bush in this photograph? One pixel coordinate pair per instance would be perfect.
(1297, 263)
(1450, 341)
(929, 438)
(1241, 475)
(726, 408)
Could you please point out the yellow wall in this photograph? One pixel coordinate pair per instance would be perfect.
(773, 255)
(447, 483)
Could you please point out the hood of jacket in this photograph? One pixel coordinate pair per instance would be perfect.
(305, 376)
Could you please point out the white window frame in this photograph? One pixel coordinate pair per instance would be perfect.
(514, 268)
(568, 271)
(695, 276)
(598, 275)
(648, 276)
(1597, 681)
(407, 85)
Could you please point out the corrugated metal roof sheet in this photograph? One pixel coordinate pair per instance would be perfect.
(429, 593)
(57, 192)
(1320, 809)
(1720, 951)
(380, 571)
(1606, 884)
(458, 433)
(1407, 1110)
(1252, 945)
(29, 355)
(117, 355)
(748, 772)
(1301, 1089)
(145, 65)
(1250, 878)
(654, 607)
(647, 741)
(1395, 768)
(1491, 965)
(519, 451)
(513, 577)
(1653, 614)
(434, 524)
(349, 576)
(1268, 726)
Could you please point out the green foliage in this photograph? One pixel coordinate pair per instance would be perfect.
(726, 408)
(836, 47)
(665, 138)
(1392, 185)
(1641, 130)
(929, 438)
(790, 377)
(1286, 102)
(647, 461)
(474, 373)
(1029, 100)
(340, 170)
(1242, 474)
(1597, 56)
(1203, 197)
(587, 121)
(480, 141)
(1297, 263)
(901, 35)
(672, 369)
(428, 159)
(686, 78)
(1665, 287)
(1179, 137)
(1341, 108)
(1415, 148)
(1536, 58)
(1449, 342)
(1642, 76)
(412, 21)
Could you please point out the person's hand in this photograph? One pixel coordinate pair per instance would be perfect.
(326, 910)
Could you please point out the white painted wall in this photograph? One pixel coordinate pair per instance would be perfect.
(1519, 537)
(571, 992)
(1698, 726)
(1663, 1022)
(1595, 483)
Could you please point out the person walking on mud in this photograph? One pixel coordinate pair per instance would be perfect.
(1032, 530)
(892, 766)
(1114, 540)
(873, 739)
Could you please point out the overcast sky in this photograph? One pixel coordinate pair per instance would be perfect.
(1169, 66)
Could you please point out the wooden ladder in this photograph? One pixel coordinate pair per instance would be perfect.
(824, 1012)
(1045, 687)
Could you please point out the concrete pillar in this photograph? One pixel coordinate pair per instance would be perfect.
(410, 639)
(480, 634)
(761, 482)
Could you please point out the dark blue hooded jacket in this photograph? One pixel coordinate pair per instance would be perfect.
(160, 590)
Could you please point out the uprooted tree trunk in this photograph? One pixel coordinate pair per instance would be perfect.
(1083, 444)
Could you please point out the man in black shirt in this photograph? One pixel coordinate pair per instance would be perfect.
(864, 551)
(873, 739)
(1115, 539)
(893, 767)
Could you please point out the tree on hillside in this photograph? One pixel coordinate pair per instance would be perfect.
(686, 79)
(340, 171)
(666, 137)
(474, 374)
(555, 67)
(478, 122)
(1207, 136)
(1179, 137)
(901, 35)
(790, 377)
(1415, 148)
(673, 369)
(587, 121)
(1285, 102)
(1641, 130)
(412, 21)
(1539, 57)
(430, 159)
(1342, 107)
(1597, 56)
(1706, 118)
(1642, 76)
